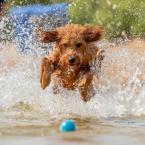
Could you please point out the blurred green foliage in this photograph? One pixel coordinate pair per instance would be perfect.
(27, 2)
(120, 18)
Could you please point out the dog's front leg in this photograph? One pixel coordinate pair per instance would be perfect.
(85, 87)
(47, 69)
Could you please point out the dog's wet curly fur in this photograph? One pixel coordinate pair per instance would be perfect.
(71, 58)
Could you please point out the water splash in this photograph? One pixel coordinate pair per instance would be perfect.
(20, 89)
(120, 93)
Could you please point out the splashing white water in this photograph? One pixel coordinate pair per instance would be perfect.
(20, 89)
(121, 92)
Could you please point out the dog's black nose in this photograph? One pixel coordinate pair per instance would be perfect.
(71, 59)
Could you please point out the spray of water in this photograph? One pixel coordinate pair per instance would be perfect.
(120, 93)
(20, 89)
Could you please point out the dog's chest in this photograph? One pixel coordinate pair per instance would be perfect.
(67, 78)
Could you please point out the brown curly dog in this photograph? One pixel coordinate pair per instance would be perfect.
(70, 62)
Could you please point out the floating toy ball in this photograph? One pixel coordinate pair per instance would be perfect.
(67, 126)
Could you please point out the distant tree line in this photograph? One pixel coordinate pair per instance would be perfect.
(120, 18)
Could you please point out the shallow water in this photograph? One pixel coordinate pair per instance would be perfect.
(115, 116)
(20, 130)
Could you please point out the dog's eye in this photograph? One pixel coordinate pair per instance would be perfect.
(78, 44)
(64, 45)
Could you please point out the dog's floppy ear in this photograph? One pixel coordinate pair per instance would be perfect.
(92, 33)
(47, 36)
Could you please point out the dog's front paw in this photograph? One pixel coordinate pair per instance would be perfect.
(87, 93)
(46, 71)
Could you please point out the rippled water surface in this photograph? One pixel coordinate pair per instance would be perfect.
(115, 116)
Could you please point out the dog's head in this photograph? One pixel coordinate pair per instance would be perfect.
(72, 42)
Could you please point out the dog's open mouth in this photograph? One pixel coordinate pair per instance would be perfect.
(72, 64)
